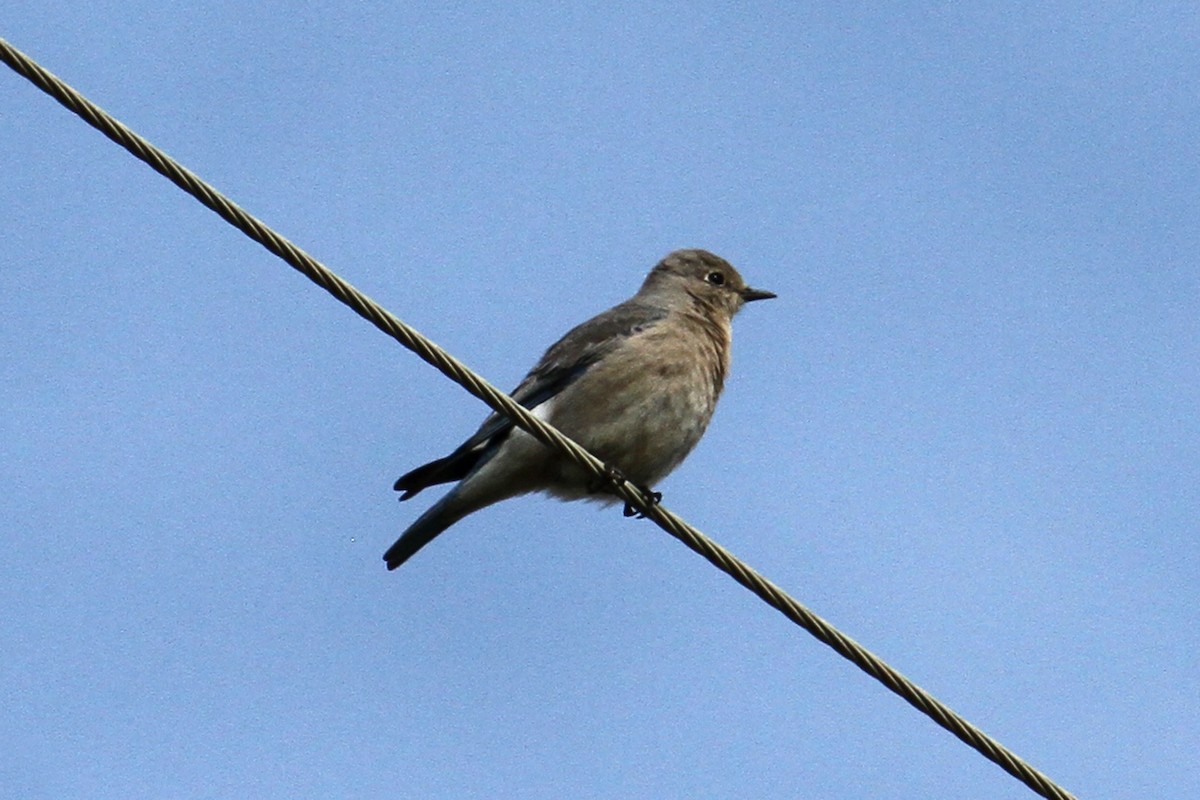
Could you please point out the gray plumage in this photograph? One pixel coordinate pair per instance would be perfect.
(636, 386)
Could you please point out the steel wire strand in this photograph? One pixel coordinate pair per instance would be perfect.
(501, 402)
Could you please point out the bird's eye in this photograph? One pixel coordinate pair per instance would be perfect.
(716, 278)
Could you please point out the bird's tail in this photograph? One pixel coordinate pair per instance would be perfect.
(441, 515)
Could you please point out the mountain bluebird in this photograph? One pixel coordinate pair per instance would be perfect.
(636, 386)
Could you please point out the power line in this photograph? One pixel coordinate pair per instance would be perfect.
(476, 385)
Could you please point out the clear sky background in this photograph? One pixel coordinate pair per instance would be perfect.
(966, 432)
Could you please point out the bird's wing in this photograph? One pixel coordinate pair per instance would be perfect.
(566, 360)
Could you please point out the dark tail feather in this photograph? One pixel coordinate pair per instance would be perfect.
(453, 467)
(440, 516)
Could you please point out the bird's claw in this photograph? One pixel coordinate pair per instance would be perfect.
(650, 498)
(613, 478)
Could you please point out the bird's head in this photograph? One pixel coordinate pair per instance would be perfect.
(699, 278)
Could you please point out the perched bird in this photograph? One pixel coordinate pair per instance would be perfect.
(636, 386)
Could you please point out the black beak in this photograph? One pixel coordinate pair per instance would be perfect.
(750, 295)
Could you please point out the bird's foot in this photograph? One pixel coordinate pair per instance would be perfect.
(608, 482)
(612, 478)
(650, 498)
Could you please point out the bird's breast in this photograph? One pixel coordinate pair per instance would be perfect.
(646, 405)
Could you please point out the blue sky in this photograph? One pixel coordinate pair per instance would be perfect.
(966, 432)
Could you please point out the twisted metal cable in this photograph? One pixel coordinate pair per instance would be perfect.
(454, 369)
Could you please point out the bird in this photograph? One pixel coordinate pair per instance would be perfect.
(636, 386)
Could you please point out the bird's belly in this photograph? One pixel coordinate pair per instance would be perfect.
(644, 427)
